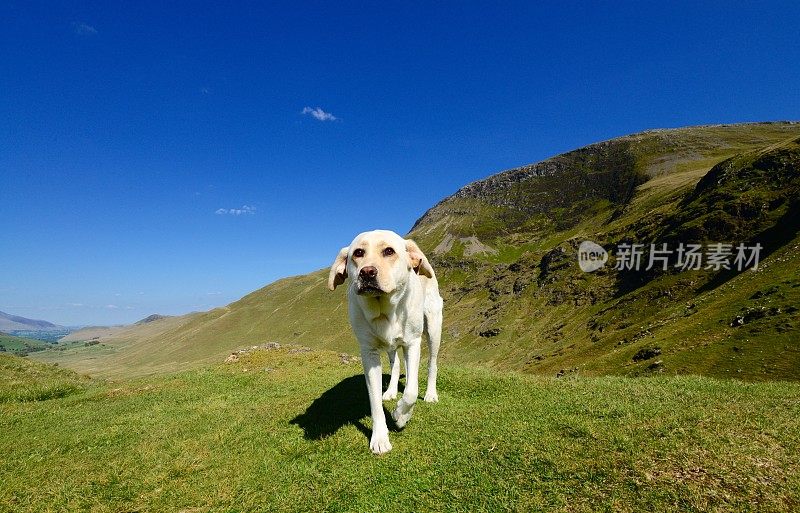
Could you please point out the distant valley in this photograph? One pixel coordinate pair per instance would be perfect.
(32, 329)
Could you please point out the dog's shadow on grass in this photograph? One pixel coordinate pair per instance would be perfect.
(345, 403)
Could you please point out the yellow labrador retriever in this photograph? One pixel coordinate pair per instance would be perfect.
(393, 298)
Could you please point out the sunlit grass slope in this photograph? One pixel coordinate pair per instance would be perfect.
(286, 430)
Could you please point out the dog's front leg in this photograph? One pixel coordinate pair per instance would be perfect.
(394, 364)
(371, 359)
(405, 406)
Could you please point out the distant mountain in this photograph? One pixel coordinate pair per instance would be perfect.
(10, 322)
(505, 251)
(151, 318)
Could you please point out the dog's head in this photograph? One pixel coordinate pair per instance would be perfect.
(378, 262)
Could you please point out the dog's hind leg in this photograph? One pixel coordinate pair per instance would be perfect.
(433, 330)
(394, 365)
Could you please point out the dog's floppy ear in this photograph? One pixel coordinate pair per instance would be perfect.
(419, 262)
(338, 270)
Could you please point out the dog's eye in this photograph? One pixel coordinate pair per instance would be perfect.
(388, 252)
(358, 253)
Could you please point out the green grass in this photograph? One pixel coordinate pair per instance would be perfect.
(287, 431)
(24, 380)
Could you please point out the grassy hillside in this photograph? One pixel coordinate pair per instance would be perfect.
(505, 252)
(286, 430)
(20, 345)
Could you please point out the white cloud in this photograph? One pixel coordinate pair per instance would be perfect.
(236, 211)
(112, 307)
(319, 114)
(83, 29)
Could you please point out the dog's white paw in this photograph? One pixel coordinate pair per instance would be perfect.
(380, 444)
(431, 396)
(390, 394)
(402, 413)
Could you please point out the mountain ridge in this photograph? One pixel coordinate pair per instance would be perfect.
(549, 165)
(9, 322)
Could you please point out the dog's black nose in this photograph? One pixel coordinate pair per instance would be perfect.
(368, 272)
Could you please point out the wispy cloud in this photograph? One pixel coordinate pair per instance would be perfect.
(245, 210)
(112, 307)
(319, 114)
(83, 29)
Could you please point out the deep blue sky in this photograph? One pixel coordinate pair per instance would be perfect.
(129, 133)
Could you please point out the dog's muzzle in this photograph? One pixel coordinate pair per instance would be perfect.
(368, 282)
